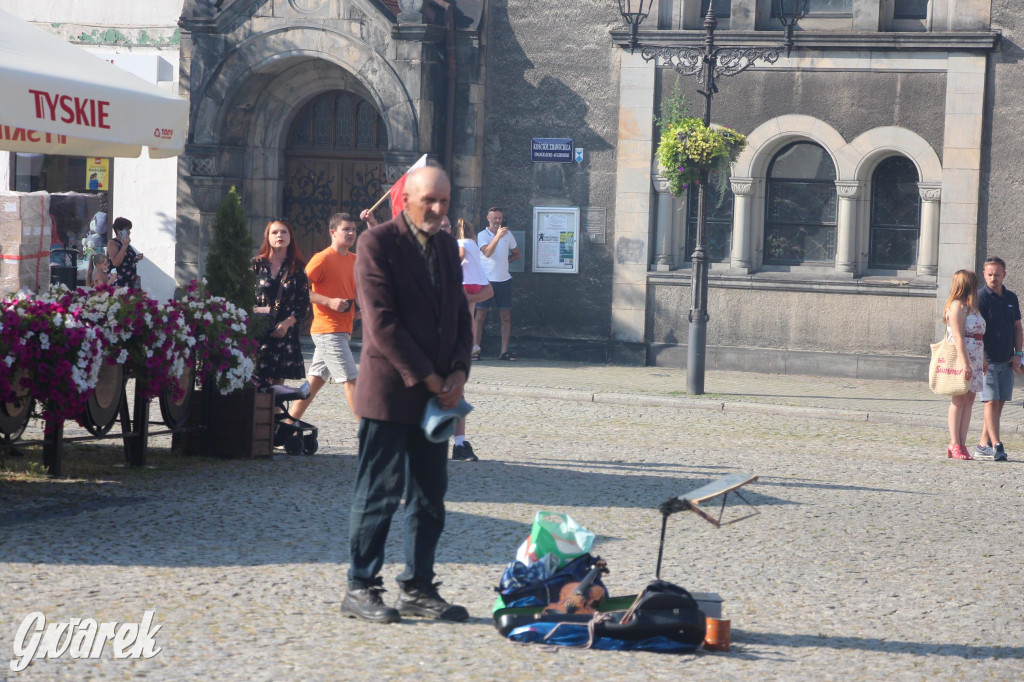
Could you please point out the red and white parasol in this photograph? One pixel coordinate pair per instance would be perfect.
(56, 98)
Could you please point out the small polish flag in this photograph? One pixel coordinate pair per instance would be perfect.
(397, 202)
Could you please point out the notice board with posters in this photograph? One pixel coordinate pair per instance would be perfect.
(556, 239)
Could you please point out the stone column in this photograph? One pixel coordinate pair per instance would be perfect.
(961, 170)
(928, 245)
(846, 229)
(634, 157)
(742, 256)
(665, 227)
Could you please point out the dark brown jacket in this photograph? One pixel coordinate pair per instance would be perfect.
(408, 332)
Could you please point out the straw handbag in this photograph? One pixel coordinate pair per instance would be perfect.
(947, 373)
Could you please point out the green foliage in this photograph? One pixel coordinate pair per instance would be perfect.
(228, 268)
(688, 146)
(674, 108)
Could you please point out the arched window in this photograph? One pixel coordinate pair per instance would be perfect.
(718, 235)
(337, 121)
(895, 215)
(800, 211)
(366, 126)
(345, 121)
(322, 123)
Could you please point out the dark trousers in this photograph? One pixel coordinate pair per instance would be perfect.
(396, 459)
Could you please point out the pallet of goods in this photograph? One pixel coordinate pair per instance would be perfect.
(24, 242)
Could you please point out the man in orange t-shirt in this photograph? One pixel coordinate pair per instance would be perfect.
(332, 284)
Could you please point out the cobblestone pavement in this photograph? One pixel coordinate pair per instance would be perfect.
(908, 402)
(873, 557)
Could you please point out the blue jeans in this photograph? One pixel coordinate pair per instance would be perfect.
(998, 382)
(396, 459)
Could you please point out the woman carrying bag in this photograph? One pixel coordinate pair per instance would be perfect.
(965, 329)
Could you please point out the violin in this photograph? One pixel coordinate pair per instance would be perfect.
(584, 596)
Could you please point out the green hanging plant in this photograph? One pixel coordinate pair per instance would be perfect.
(688, 146)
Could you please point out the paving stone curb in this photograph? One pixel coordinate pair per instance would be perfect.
(715, 405)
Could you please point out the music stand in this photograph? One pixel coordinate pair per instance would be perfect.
(691, 500)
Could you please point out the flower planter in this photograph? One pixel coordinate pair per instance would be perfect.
(241, 424)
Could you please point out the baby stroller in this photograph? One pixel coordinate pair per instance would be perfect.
(299, 437)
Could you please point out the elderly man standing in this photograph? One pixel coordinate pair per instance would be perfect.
(417, 337)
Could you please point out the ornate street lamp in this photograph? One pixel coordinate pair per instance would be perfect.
(707, 63)
(634, 11)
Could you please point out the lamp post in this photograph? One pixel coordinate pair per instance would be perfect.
(707, 62)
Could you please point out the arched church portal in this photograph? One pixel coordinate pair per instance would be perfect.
(334, 162)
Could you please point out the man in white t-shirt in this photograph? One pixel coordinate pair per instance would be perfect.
(498, 248)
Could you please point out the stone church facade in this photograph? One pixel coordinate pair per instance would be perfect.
(891, 129)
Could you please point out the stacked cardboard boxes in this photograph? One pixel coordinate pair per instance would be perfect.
(24, 242)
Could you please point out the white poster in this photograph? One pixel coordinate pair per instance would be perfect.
(556, 232)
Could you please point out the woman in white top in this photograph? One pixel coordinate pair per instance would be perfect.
(473, 278)
(474, 281)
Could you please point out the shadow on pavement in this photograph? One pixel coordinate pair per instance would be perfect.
(745, 638)
(295, 510)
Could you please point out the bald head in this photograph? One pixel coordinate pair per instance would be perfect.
(426, 194)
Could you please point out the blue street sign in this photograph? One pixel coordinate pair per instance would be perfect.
(551, 149)
(579, 154)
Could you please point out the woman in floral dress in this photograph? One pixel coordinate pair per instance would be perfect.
(282, 291)
(965, 328)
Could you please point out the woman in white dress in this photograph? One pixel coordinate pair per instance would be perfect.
(965, 328)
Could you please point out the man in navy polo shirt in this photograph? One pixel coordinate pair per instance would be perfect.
(1003, 341)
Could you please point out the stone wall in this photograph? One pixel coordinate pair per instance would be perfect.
(799, 320)
(792, 311)
(851, 102)
(1002, 202)
(552, 72)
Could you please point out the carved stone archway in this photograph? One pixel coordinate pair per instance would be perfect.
(242, 111)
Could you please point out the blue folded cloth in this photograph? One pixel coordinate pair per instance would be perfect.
(438, 423)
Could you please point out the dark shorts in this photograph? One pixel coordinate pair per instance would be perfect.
(502, 296)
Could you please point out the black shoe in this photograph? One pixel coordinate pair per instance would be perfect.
(507, 357)
(464, 453)
(365, 603)
(422, 599)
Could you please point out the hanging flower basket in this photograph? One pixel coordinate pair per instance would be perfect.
(688, 146)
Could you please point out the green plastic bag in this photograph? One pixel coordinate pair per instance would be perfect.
(554, 535)
(555, 540)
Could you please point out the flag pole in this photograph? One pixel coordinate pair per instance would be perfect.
(380, 201)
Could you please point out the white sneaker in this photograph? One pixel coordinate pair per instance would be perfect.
(986, 453)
